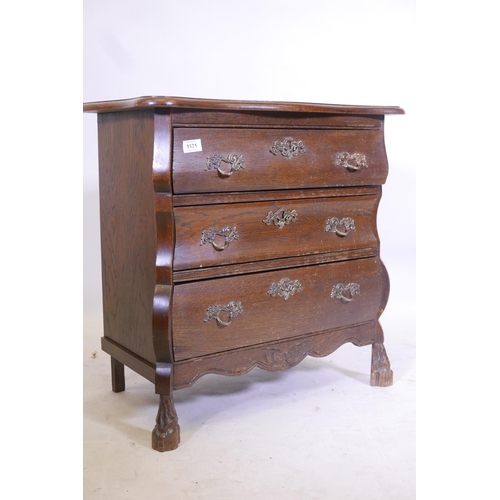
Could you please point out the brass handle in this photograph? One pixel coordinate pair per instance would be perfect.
(281, 217)
(236, 161)
(351, 161)
(340, 226)
(284, 288)
(288, 148)
(339, 289)
(233, 308)
(228, 233)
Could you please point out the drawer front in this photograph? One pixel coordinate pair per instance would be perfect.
(256, 159)
(228, 313)
(215, 235)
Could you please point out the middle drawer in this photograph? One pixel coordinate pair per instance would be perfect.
(213, 235)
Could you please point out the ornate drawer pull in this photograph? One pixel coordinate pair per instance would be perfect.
(284, 288)
(333, 224)
(281, 217)
(233, 308)
(228, 233)
(352, 162)
(339, 289)
(288, 148)
(236, 161)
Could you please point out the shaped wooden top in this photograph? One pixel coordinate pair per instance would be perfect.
(231, 105)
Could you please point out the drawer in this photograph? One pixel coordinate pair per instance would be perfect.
(258, 159)
(214, 235)
(228, 313)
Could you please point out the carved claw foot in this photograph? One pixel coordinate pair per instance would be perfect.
(381, 374)
(166, 434)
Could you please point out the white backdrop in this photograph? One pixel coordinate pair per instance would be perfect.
(333, 51)
(330, 51)
(327, 51)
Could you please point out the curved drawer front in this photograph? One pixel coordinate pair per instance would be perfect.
(245, 232)
(227, 313)
(222, 160)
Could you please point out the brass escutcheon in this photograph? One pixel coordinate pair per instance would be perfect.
(285, 288)
(281, 217)
(288, 148)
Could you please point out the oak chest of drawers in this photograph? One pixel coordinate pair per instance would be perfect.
(237, 234)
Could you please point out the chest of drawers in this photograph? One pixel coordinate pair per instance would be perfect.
(237, 234)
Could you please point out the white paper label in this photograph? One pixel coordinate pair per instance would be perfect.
(191, 146)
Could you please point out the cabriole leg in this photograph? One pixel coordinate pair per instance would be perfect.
(381, 374)
(166, 434)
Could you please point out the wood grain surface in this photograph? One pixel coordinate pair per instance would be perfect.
(258, 240)
(150, 102)
(266, 318)
(316, 168)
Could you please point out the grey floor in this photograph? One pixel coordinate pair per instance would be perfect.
(317, 431)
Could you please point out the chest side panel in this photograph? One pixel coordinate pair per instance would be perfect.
(128, 234)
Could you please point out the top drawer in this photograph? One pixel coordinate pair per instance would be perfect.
(258, 159)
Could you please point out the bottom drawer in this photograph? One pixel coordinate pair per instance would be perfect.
(227, 313)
